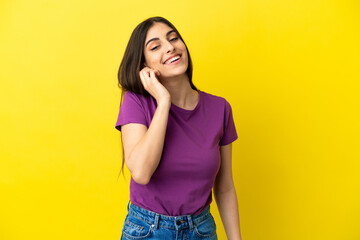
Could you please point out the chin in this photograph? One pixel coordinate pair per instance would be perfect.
(180, 68)
(175, 72)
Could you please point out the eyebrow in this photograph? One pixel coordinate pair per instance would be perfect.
(153, 39)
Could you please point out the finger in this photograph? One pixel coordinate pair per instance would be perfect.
(146, 74)
(148, 81)
(152, 75)
(142, 72)
(142, 78)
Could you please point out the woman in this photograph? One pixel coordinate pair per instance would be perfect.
(176, 141)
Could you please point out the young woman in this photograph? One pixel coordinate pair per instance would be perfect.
(176, 141)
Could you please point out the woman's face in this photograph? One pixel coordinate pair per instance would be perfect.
(161, 43)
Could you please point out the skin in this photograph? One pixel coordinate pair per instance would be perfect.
(173, 78)
(169, 84)
(225, 195)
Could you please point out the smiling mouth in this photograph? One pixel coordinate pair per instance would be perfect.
(173, 60)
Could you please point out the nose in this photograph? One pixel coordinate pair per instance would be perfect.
(170, 47)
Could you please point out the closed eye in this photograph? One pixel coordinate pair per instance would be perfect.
(173, 39)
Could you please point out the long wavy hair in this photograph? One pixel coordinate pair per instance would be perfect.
(133, 61)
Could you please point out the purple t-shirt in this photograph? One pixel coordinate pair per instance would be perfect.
(182, 183)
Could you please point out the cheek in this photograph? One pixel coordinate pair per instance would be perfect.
(152, 59)
(155, 58)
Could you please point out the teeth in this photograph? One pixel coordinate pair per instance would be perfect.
(173, 59)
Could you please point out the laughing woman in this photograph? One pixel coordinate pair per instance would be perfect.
(177, 141)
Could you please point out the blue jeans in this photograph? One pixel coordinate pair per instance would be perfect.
(141, 223)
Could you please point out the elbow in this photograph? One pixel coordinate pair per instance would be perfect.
(139, 173)
(141, 181)
(140, 178)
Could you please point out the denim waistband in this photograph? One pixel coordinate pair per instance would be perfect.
(171, 222)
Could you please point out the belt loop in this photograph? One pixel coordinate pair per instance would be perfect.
(191, 224)
(128, 205)
(156, 222)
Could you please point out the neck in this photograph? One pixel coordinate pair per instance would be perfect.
(182, 95)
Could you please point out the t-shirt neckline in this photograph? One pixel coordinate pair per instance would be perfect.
(176, 108)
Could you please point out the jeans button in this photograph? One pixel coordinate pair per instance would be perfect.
(178, 222)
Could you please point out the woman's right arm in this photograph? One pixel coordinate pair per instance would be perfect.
(143, 147)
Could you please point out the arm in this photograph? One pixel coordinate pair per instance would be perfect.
(225, 195)
(143, 147)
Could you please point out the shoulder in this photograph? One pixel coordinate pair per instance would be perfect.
(216, 104)
(130, 96)
(138, 102)
(214, 99)
(133, 95)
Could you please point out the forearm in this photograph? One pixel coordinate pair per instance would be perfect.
(229, 213)
(147, 152)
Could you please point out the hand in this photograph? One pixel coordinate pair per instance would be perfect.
(153, 85)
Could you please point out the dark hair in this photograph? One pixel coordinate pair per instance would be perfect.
(134, 60)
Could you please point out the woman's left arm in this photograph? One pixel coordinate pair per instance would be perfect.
(225, 195)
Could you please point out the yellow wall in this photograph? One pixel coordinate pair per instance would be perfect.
(288, 68)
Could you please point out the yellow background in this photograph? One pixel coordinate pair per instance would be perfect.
(290, 70)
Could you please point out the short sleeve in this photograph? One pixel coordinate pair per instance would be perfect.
(230, 133)
(131, 111)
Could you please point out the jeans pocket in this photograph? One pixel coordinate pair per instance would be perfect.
(135, 228)
(206, 227)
